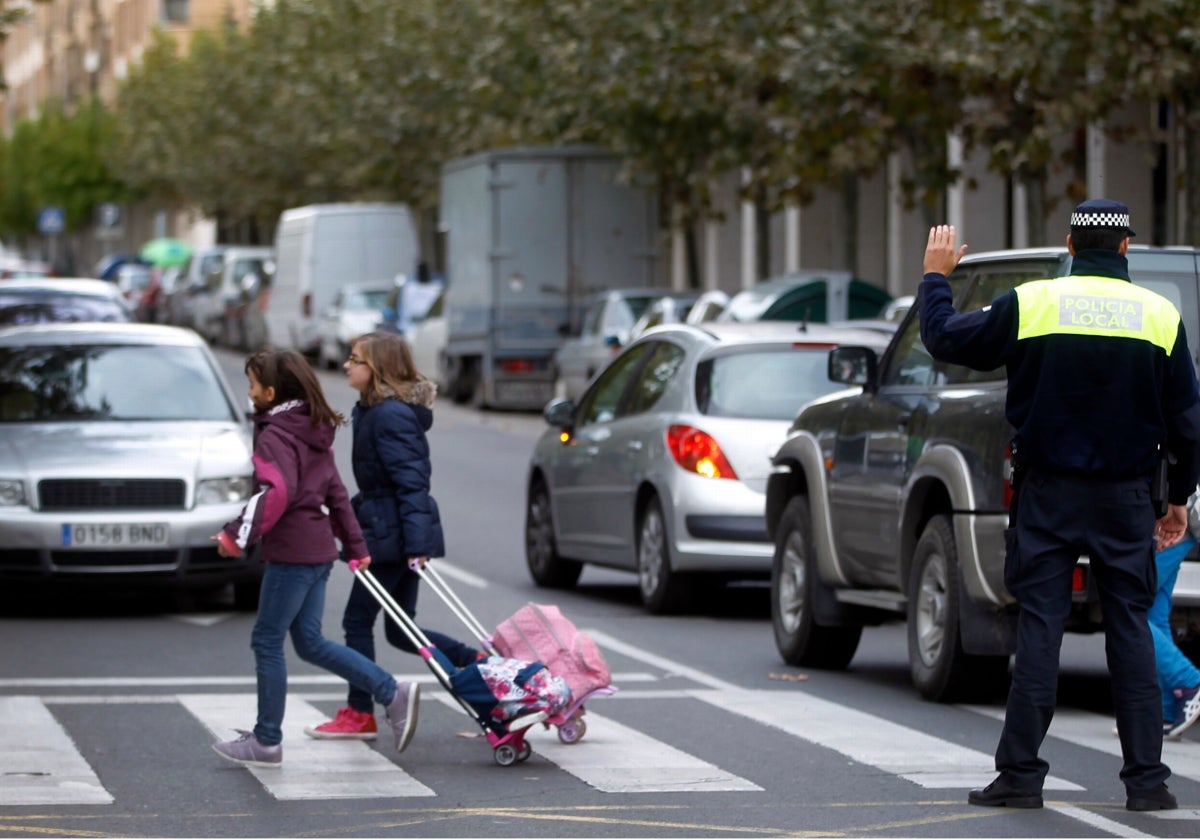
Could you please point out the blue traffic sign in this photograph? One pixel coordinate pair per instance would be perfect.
(51, 220)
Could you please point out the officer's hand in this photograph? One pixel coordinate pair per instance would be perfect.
(1170, 530)
(941, 254)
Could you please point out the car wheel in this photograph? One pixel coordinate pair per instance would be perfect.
(546, 567)
(798, 637)
(941, 670)
(662, 590)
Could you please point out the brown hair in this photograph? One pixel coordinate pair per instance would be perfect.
(292, 378)
(390, 361)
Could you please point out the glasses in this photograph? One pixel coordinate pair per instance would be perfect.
(354, 360)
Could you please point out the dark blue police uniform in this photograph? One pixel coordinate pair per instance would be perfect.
(1099, 376)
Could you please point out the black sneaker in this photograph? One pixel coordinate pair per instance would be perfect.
(1001, 794)
(1156, 799)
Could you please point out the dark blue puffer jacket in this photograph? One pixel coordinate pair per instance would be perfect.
(399, 517)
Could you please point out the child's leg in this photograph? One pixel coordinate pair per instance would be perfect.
(348, 664)
(404, 587)
(285, 588)
(358, 622)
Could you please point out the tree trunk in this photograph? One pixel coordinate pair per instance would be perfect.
(762, 234)
(1190, 122)
(1035, 207)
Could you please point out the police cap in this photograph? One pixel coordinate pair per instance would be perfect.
(1101, 213)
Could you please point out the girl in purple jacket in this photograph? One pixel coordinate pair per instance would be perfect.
(294, 476)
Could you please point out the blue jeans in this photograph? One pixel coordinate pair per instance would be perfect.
(362, 609)
(1174, 669)
(292, 600)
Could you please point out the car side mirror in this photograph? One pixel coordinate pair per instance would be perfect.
(852, 366)
(560, 413)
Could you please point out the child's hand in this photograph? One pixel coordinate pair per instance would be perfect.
(221, 549)
(417, 563)
(359, 563)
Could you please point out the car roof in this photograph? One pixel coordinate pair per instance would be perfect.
(766, 332)
(98, 333)
(78, 285)
(1058, 251)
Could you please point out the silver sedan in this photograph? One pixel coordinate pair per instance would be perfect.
(661, 467)
(124, 450)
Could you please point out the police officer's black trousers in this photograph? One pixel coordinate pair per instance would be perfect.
(1058, 519)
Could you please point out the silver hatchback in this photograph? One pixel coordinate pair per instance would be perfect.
(123, 451)
(661, 467)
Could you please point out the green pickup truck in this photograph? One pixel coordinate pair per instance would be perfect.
(889, 499)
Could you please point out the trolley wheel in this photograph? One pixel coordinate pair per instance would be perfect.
(572, 731)
(524, 752)
(505, 755)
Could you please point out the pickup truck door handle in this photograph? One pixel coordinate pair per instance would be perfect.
(902, 419)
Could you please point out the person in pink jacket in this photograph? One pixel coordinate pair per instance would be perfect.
(296, 480)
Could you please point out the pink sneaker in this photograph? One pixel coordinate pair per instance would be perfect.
(347, 724)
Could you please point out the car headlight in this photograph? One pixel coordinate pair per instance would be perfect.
(12, 492)
(219, 491)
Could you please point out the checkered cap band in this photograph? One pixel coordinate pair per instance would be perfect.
(1105, 220)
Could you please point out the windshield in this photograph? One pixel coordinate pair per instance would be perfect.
(765, 384)
(46, 383)
(43, 308)
(372, 300)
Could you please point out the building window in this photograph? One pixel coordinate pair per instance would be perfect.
(175, 11)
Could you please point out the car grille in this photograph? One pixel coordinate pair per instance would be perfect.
(111, 494)
(70, 559)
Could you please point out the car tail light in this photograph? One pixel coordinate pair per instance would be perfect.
(1079, 579)
(1007, 471)
(306, 306)
(517, 365)
(698, 452)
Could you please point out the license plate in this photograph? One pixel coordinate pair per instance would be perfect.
(118, 535)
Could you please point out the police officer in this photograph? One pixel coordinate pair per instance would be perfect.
(1099, 378)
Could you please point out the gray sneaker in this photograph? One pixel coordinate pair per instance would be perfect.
(246, 749)
(402, 713)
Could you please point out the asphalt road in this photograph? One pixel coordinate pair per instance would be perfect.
(111, 699)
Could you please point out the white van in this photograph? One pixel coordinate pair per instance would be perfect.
(322, 247)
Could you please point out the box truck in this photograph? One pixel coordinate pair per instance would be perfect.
(530, 235)
(322, 247)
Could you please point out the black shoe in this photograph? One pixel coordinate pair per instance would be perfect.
(1001, 794)
(1155, 799)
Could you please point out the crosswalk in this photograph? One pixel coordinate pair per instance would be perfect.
(40, 765)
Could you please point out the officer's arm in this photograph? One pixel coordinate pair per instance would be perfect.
(1181, 407)
(982, 339)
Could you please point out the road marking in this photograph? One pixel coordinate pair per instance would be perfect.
(311, 769)
(40, 764)
(461, 575)
(613, 758)
(1096, 821)
(670, 667)
(908, 753)
(1088, 729)
(194, 682)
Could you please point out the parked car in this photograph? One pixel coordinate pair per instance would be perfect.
(132, 279)
(230, 313)
(707, 307)
(811, 295)
(355, 311)
(124, 450)
(427, 340)
(890, 502)
(661, 467)
(17, 269)
(55, 299)
(668, 309)
(201, 279)
(607, 323)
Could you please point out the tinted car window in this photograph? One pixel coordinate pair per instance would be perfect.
(108, 382)
(600, 403)
(41, 308)
(765, 384)
(909, 363)
(660, 369)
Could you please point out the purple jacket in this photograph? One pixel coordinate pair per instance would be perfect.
(294, 475)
